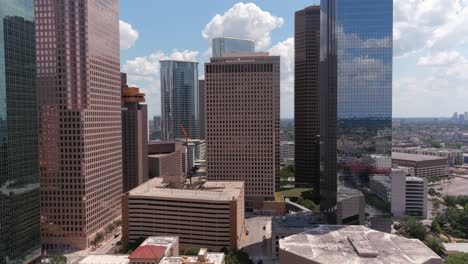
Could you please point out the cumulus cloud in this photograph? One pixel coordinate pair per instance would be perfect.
(145, 72)
(244, 20)
(285, 50)
(128, 35)
(435, 24)
(442, 58)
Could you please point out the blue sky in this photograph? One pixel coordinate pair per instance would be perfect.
(430, 45)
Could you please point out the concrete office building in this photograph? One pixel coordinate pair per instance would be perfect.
(165, 159)
(353, 244)
(424, 166)
(355, 102)
(79, 86)
(287, 152)
(134, 137)
(227, 45)
(306, 98)
(416, 197)
(19, 155)
(454, 156)
(209, 214)
(179, 99)
(243, 118)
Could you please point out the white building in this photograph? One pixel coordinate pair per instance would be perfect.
(409, 194)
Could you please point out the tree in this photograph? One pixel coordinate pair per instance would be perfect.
(191, 251)
(97, 239)
(458, 258)
(435, 227)
(413, 228)
(58, 260)
(435, 245)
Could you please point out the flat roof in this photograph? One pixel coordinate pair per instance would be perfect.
(456, 247)
(357, 244)
(106, 259)
(212, 258)
(212, 191)
(415, 157)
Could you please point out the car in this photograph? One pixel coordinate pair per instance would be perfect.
(246, 232)
(264, 227)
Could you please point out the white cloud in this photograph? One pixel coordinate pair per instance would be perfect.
(145, 71)
(244, 21)
(128, 35)
(435, 24)
(442, 58)
(285, 50)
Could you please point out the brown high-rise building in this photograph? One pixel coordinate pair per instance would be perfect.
(202, 105)
(78, 80)
(134, 137)
(242, 122)
(306, 98)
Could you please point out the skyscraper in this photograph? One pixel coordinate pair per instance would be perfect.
(134, 138)
(179, 99)
(306, 99)
(201, 85)
(226, 45)
(19, 157)
(156, 122)
(80, 119)
(242, 118)
(355, 103)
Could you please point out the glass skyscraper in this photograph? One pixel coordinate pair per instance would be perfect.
(227, 45)
(356, 110)
(179, 99)
(19, 166)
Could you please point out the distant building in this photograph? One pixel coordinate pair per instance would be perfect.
(455, 116)
(287, 152)
(288, 225)
(203, 257)
(226, 45)
(165, 159)
(306, 99)
(134, 137)
(454, 156)
(424, 165)
(353, 244)
(156, 122)
(209, 214)
(243, 118)
(179, 99)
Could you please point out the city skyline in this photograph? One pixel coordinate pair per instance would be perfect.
(427, 40)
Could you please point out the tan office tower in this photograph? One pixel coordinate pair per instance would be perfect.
(78, 80)
(242, 122)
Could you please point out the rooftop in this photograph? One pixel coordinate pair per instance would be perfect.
(297, 222)
(213, 191)
(456, 247)
(415, 157)
(106, 259)
(212, 258)
(357, 244)
(148, 252)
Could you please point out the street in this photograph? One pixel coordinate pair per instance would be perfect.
(257, 242)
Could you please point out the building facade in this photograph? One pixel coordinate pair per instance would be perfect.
(156, 122)
(226, 45)
(424, 165)
(201, 85)
(287, 152)
(134, 138)
(165, 159)
(210, 215)
(19, 157)
(355, 98)
(80, 135)
(306, 98)
(179, 99)
(242, 107)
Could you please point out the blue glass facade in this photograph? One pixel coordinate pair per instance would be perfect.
(356, 107)
(179, 99)
(19, 167)
(231, 45)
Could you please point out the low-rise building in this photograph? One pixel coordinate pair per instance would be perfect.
(153, 249)
(202, 214)
(455, 248)
(106, 259)
(350, 208)
(454, 156)
(424, 165)
(203, 257)
(353, 244)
